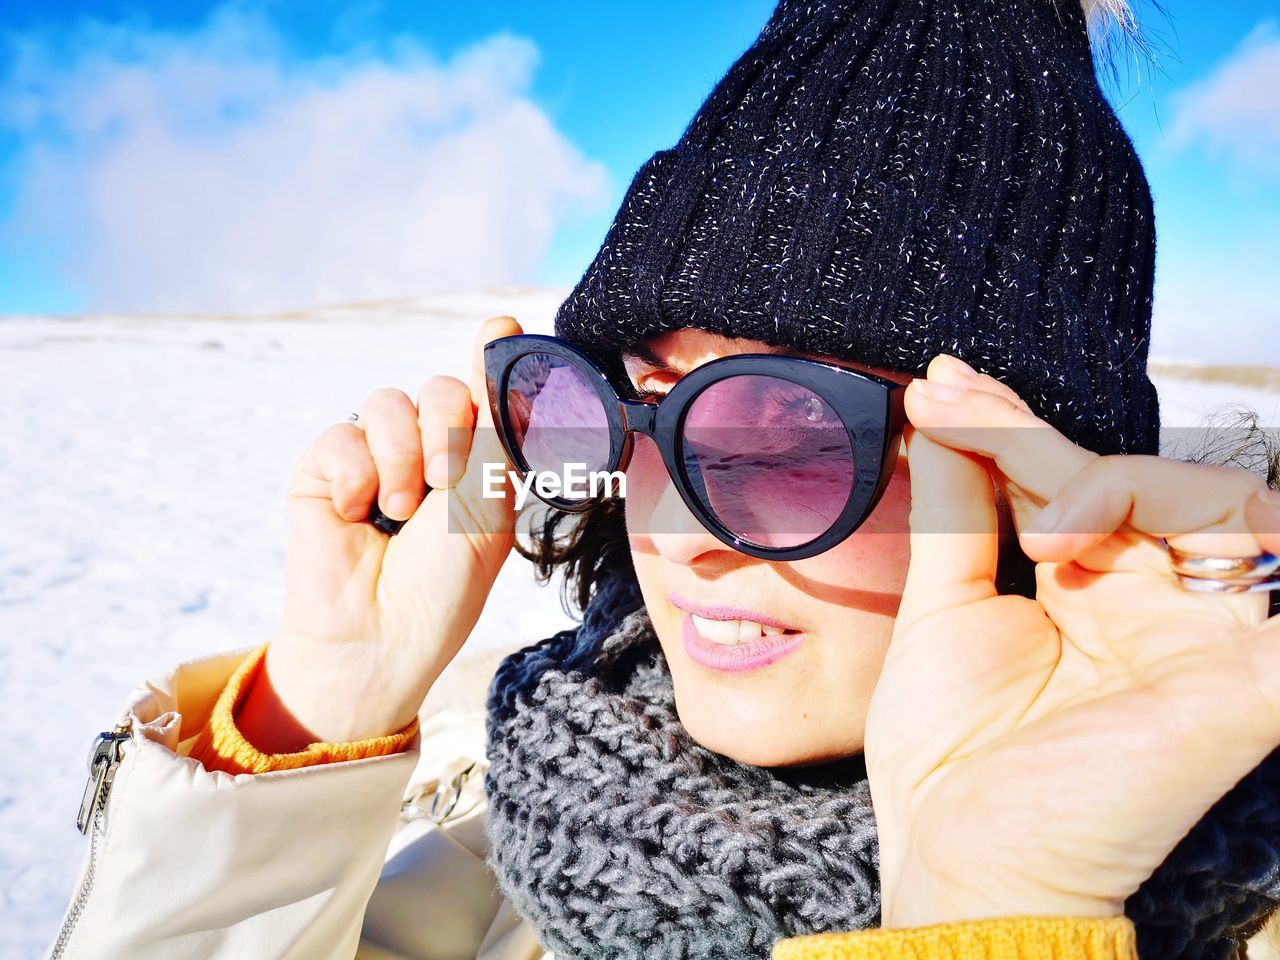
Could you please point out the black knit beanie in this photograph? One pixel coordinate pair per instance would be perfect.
(885, 180)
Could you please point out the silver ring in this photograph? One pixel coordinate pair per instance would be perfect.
(1201, 574)
(352, 417)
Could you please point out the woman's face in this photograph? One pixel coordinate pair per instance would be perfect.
(808, 704)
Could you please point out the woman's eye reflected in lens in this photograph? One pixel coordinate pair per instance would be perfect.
(806, 404)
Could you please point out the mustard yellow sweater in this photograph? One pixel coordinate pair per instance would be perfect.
(221, 746)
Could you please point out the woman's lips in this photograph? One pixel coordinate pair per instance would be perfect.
(732, 638)
(735, 657)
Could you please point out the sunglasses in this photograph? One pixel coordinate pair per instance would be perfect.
(779, 457)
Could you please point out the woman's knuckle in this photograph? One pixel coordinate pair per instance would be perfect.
(386, 398)
(343, 494)
(1107, 469)
(337, 435)
(443, 394)
(353, 473)
(440, 383)
(997, 404)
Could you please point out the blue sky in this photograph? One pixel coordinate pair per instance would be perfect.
(185, 156)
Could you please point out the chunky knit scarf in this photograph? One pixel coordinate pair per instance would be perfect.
(617, 836)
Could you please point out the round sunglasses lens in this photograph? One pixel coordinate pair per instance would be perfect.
(770, 459)
(559, 422)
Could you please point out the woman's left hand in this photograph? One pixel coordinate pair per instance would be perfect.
(1043, 757)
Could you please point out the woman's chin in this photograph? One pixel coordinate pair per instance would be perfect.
(767, 738)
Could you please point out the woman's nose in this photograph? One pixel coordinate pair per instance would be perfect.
(678, 535)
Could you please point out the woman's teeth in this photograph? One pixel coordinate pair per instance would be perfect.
(730, 632)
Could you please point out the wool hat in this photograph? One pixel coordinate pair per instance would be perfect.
(885, 180)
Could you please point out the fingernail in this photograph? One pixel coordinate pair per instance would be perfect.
(438, 471)
(939, 392)
(960, 366)
(400, 506)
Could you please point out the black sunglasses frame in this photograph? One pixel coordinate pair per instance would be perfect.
(869, 407)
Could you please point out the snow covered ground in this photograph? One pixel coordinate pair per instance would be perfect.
(143, 466)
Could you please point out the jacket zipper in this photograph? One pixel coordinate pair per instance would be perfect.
(104, 760)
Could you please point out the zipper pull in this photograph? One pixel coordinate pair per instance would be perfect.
(104, 758)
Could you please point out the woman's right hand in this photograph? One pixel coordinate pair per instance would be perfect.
(1042, 757)
(371, 620)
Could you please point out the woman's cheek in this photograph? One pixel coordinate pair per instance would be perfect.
(876, 556)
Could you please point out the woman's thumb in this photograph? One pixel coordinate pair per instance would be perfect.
(492, 329)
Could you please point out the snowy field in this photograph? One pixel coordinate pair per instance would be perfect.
(143, 467)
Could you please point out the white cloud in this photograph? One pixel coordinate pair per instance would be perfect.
(1235, 110)
(216, 171)
(1214, 315)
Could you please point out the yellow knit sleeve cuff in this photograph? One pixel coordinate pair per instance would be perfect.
(221, 746)
(1009, 938)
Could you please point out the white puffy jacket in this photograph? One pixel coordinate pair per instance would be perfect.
(336, 860)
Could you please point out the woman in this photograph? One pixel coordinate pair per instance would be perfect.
(885, 187)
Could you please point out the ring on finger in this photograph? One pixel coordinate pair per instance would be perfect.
(1202, 574)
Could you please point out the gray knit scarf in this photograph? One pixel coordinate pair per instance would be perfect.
(617, 836)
